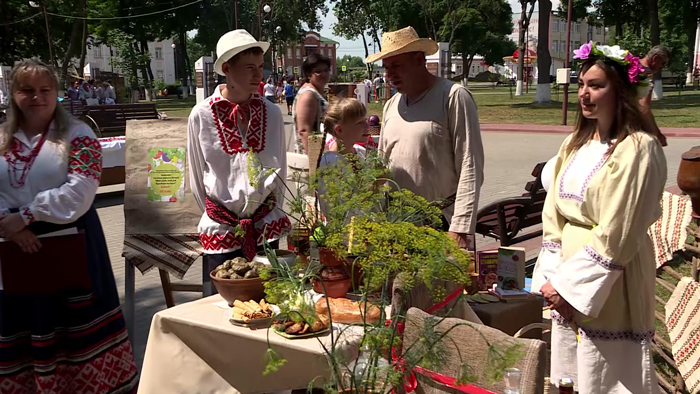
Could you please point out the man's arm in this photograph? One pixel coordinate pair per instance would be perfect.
(648, 117)
(468, 162)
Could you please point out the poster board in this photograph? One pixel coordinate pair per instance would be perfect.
(167, 216)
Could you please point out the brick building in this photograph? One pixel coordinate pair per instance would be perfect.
(294, 54)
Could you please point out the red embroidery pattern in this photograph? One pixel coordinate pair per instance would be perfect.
(27, 214)
(680, 308)
(226, 116)
(594, 171)
(551, 245)
(228, 241)
(112, 371)
(86, 157)
(601, 260)
(609, 335)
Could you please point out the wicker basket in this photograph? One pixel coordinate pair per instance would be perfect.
(375, 130)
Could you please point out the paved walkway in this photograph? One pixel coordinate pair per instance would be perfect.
(510, 158)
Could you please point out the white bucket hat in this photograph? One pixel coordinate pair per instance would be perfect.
(233, 43)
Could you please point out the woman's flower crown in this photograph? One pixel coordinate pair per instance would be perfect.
(623, 57)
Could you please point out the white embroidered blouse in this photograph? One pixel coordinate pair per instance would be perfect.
(61, 183)
(218, 150)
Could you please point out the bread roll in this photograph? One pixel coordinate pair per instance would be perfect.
(346, 311)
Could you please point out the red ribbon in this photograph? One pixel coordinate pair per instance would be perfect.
(411, 382)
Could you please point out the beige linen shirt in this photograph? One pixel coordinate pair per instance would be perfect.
(435, 150)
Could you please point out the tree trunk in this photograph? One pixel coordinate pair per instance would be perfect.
(544, 58)
(655, 40)
(183, 55)
(618, 29)
(691, 33)
(77, 24)
(83, 49)
(368, 65)
(523, 26)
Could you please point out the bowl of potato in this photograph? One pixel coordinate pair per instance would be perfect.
(238, 279)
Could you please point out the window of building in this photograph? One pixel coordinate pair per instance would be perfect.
(589, 35)
(289, 53)
(159, 53)
(577, 44)
(298, 53)
(577, 27)
(97, 50)
(159, 74)
(598, 30)
(555, 46)
(571, 46)
(310, 50)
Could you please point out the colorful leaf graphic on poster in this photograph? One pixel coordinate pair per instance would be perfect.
(166, 174)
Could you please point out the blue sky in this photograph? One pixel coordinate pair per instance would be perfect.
(356, 47)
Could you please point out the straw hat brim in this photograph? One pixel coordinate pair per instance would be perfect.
(226, 56)
(425, 45)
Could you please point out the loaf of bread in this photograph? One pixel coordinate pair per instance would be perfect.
(346, 311)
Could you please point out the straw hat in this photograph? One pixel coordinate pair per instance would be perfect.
(233, 43)
(403, 41)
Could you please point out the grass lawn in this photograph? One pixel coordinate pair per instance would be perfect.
(497, 106)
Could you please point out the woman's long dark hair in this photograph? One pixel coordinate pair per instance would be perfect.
(628, 117)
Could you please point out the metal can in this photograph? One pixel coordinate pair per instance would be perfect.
(566, 386)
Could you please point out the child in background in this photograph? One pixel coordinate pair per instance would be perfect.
(346, 122)
(280, 92)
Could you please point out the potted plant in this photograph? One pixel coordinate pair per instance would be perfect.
(387, 232)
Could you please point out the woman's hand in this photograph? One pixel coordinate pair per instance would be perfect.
(556, 301)
(27, 241)
(11, 225)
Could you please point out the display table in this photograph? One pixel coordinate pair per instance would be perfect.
(193, 348)
(113, 160)
(512, 315)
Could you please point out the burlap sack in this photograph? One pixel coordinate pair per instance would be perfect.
(468, 344)
(141, 216)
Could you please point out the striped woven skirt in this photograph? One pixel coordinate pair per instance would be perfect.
(70, 342)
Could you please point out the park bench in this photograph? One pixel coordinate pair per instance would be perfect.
(75, 107)
(110, 120)
(505, 220)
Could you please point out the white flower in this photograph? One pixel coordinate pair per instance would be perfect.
(613, 52)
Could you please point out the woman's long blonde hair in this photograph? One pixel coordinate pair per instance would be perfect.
(61, 118)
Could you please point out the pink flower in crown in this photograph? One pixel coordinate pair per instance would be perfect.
(634, 68)
(584, 52)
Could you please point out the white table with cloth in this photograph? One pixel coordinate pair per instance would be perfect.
(193, 348)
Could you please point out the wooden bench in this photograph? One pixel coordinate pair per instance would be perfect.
(76, 108)
(110, 120)
(506, 219)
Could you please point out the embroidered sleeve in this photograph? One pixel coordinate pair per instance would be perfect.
(631, 196)
(552, 226)
(70, 201)
(27, 215)
(195, 158)
(468, 159)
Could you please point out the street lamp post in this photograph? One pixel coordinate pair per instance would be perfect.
(40, 4)
(174, 58)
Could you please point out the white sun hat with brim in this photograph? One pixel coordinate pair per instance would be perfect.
(403, 41)
(233, 43)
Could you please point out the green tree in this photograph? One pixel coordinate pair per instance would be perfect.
(128, 59)
(350, 61)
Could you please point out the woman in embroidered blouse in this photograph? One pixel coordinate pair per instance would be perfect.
(596, 268)
(310, 106)
(59, 341)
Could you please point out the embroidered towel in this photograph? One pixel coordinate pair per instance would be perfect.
(683, 324)
(668, 234)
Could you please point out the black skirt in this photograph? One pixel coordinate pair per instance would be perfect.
(73, 341)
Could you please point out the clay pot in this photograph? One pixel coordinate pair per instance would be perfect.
(238, 289)
(336, 280)
(334, 288)
(689, 177)
(328, 258)
(285, 257)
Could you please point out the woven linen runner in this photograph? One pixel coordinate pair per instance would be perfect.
(683, 324)
(174, 253)
(668, 234)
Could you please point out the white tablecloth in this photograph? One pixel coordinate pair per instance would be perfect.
(193, 348)
(113, 152)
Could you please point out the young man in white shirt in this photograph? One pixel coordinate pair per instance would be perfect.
(229, 132)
